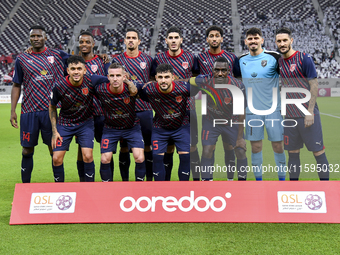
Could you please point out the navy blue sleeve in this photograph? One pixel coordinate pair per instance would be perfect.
(106, 67)
(143, 95)
(98, 79)
(55, 97)
(64, 57)
(308, 67)
(196, 67)
(243, 88)
(153, 67)
(200, 80)
(236, 68)
(18, 74)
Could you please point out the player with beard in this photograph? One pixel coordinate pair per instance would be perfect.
(168, 99)
(221, 107)
(185, 65)
(94, 65)
(75, 94)
(260, 72)
(137, 64)
(298, 71)
(214, 35)
(36, 73)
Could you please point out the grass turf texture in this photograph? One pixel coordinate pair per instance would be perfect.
(167, 238)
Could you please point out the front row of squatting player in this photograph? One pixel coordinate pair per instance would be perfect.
(123, 98)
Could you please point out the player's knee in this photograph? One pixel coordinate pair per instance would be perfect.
(256, 147)
(88, 157)
(207, 152)
(105, 159)
(277, 147)
(318, 153)
(240, 153)
(57, 160)
(27, 150)
(294, 151)
(139, 159)
(228, 147)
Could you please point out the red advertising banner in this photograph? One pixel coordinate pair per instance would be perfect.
(324, 92)
(218, 201)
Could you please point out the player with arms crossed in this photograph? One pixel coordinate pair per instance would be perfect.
(221, 110)
(168, 99)
(137, 64)
(214, 37)
(36, 72)
(121, 121)
(94, 65)
(298, 71)
(260, 73)
(184, 65)
(75, 92)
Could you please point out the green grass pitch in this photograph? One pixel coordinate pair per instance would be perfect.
(169, 238)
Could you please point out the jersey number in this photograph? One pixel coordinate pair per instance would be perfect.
(26, 136)
(105, 143)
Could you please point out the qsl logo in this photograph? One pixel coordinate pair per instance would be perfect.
(64, 202)
(171, 204)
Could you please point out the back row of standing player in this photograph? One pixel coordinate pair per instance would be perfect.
(140, 67)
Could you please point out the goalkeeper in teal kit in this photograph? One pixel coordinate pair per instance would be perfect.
(260, 75)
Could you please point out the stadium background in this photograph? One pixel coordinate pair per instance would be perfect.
(107, 20)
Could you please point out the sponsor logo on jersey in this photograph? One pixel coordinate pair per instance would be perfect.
(142, 65)
(185, 65)
(43, 72)
(263, 63)
(127, 100)
(85, 91)
(171, 111)
(133, 77)
(119, 112)
(94, 68)
(227, 100)
(50, 59)
(179, 99)
(292, 67)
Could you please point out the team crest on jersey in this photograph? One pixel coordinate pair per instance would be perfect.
(292, 67)
(263, 63)
(43, 72)
(142, 65)
(85, 91)
(227, 100)
(127, 100)
(179, 99)
(185, 65)
(94, 68)
(50, 59)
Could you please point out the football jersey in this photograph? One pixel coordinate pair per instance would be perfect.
(139, 69)
(219, 101)
(37, 72)
(261, 73)
(76, 101)
(206, 62)
(97, 66)
(185, 64)
(119, 108)
(170, 108)
(296, 71)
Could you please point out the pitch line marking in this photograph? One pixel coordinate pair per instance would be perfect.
(330, 115)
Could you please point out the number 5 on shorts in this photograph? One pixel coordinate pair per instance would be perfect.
(155, 145)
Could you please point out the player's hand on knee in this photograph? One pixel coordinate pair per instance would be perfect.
(309, 120)
(55, 137)
(241, 143)
(14, 120)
